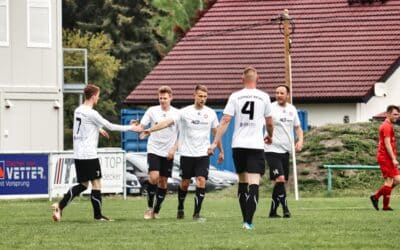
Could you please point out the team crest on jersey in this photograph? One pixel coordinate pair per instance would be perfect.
(205, 116)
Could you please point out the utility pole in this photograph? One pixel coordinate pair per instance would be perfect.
(288, 29)
(286, 19)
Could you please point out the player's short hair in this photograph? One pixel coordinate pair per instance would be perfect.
(90, 90)
(165, 89)
(249, 74)
(249, 69)
(201, 88)
(285, 86)
(390, 108)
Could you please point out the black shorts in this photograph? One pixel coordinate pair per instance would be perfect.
(278, 164)
(194, 166)
(249, 160)
(87, 170)
(161, 164)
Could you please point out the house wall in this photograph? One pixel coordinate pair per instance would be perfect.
(378, 104)
(31, 81)
(321, 114)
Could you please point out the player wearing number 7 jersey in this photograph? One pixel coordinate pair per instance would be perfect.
(251, 108)
(87, 125)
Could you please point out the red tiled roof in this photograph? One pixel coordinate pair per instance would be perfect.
(380, 116)
(338, 51)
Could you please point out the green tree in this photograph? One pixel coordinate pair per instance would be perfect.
(137, 40)
(176, 17)
(102, 70)
(127, 23)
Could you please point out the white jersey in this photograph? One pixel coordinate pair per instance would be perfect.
(194, 130)
(87, 123)
(285, 119)
(249, 107)
(160, 142)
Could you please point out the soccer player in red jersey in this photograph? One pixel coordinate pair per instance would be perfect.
(386, 157)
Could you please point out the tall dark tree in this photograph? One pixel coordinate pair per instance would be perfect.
(136, 28)
(127, 23)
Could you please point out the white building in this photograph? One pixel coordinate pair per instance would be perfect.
(31, 98)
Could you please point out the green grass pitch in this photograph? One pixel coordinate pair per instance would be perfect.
(317, 223)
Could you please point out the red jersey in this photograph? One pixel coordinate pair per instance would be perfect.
(386, 130)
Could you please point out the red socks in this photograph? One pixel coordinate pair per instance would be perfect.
(386, 196)
(379, 193)
(385, 191)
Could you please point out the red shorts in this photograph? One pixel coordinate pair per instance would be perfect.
(387, 168)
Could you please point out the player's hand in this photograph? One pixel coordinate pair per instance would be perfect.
(299, 146)
(395, 162)
(144, 134)
(104, 133)
(268, 140)
(136, 128)
(221, 157)
(134, 122)
(171, 154)
(210, 150)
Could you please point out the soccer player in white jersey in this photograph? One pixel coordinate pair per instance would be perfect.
(195, 124)
(285, 118)
(87, 125)
(161, 148)
(252, 110)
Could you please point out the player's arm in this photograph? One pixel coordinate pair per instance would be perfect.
(389, 149)
(224, 123)
(172, 151)
(270, 129)
(299, 134)
(221, 156)
(101, 122)
(159, 126)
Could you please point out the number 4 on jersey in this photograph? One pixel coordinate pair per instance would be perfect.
(248, 108)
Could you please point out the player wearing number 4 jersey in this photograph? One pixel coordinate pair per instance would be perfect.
(251, 109)
(87, 125)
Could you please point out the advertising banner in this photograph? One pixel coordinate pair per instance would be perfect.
(23, 174)
(63, 175)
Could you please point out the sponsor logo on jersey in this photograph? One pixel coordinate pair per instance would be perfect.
(198, 122)
(247, 124)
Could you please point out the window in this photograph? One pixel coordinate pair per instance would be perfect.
(39, 23)
(4, 23)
